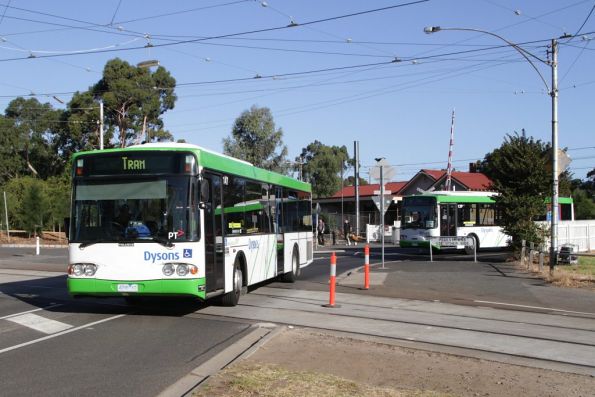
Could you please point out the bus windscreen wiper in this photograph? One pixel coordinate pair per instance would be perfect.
(88, 243)
(162, 241)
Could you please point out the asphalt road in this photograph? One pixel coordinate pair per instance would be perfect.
(51, 344)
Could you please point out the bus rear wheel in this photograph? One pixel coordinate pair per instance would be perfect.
(292, 276)
(233, 297)
(469, 248)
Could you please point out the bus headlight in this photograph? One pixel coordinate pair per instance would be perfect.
(90, 269)
(182, 270)
(80, 269)
(168, 269)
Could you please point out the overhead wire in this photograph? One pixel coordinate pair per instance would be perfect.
(263, 30)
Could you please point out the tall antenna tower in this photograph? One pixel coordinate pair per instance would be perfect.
(448, 186)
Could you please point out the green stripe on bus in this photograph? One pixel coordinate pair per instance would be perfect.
(464, 199)
(217, 162)
(561, 200)
(179, 287)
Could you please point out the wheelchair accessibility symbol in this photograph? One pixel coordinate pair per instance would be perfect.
(187, 253)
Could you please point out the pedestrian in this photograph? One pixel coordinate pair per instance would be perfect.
(347, 231)
(320, 228)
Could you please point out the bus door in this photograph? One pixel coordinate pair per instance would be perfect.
(448, 219)
(214, 232)
(277, 218)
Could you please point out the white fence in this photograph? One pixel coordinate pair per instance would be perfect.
(578, 233)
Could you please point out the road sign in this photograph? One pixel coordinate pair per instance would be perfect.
(453, 241)
(387, 171)
(388, 199)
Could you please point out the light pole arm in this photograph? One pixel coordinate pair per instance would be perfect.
(526, 54)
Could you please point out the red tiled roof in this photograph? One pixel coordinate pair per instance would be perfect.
(368, 190)
(436, 174)
(473, 180)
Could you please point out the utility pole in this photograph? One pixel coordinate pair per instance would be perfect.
(554, 95)
(356, 184)
(382, 210)
(101, 124)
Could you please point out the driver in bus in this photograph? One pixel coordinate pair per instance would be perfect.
(123, 216)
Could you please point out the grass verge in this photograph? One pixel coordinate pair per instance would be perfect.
(581, 275)
(268, 380)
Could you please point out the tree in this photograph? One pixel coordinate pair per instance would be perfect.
(12, 162)
(518, 170)
(350, 181)
(134, 99)
(30, 133)
(583, 193)
(322, 167)
(34, 208)
(584, 206)
(58, 203)
(254, 138)
(81, 121)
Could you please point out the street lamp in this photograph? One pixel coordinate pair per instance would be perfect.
(553, 92)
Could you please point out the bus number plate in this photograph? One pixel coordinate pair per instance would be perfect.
(127, 287)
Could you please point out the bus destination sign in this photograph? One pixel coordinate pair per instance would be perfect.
(134, 163)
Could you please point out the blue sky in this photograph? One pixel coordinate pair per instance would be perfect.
(397, 110)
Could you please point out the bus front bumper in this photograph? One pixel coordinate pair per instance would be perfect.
(96, 287)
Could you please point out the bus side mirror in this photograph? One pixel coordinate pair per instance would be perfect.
(204, 194)
(67, 227)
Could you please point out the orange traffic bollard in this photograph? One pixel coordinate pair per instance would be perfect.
(333, 281)
(367, 267)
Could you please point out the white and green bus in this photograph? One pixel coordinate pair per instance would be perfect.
(169, 219)
(463, 213)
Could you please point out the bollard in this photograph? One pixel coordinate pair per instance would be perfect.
(523, 253)
(37, 245)
(367, 267)
(431, 257)
(333, 281)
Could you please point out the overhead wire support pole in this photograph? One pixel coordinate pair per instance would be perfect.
(555, 182)
(101, 124)
(553, 92)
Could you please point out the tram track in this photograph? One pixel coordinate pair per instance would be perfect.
(548, 341)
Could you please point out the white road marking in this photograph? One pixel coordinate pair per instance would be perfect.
(31, 342)
(39, 323)
(534, 307)
(29, 311)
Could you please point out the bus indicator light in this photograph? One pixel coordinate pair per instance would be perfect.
(79, 167)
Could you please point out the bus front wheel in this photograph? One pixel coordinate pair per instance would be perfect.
(233, 297)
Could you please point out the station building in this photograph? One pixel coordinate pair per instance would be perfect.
(341, 205)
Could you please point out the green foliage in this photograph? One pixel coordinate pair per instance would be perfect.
(32, 201)
(12, 162)
(584, 206)
(254, 138)
(34, 209)
(322, 167)
(30, 127)
(519, 173)
(134, 99)
(350, 181)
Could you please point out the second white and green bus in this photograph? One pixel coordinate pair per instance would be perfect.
(171, 219)
(463, 213)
